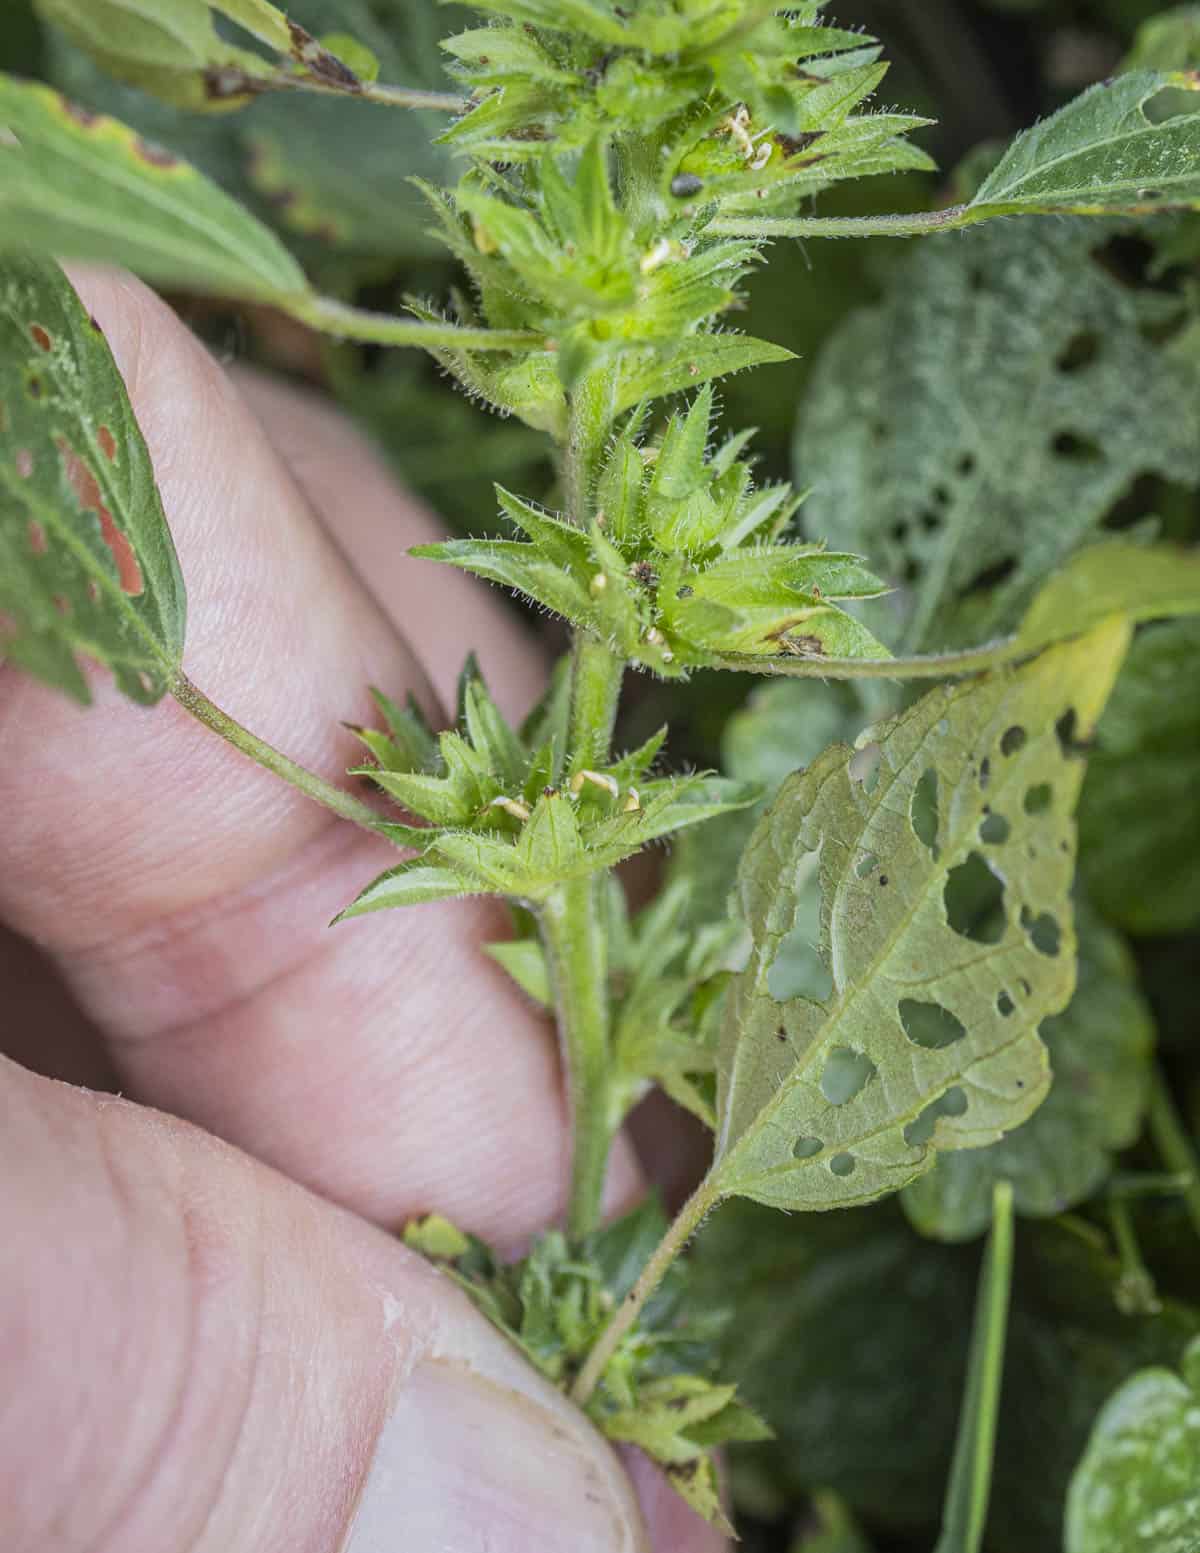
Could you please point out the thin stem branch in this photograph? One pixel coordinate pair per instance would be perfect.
(313, 786)
(576, 949)
(356, 323)
(686, 1223)
(915, 224)
(1171, 1139)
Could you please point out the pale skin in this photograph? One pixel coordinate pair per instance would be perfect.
(206, 1328)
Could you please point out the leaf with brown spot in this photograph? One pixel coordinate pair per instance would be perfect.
(87, 566)
(89, 187)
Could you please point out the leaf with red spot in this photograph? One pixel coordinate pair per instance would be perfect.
(87, 566)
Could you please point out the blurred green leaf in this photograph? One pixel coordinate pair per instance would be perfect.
(1138, 1485)
(971, 431)
(1139, 817)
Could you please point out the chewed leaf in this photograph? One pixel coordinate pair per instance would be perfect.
(86, 560)
(943, 903)
(1138, 1485)
(1101, 152)
(75, 183)
(1100, 1048)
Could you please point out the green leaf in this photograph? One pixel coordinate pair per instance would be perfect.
(1138, 816)
(946, 933)
(1138, 1484)
(969, 1490)
(86, 186)
(1101, 152)
(1100, 1048)
(410, 884)
(983, 420)
(524, 961)
(646, 374)
(88, 566)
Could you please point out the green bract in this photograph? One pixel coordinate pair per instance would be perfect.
(683, 560)
(507, 815)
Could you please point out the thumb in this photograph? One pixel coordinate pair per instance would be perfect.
(200, 1355)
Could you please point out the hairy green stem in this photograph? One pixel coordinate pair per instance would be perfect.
(1177, 1149)
(313, 786)
(355, 323)
(596, 674)
(576, 949)
(686, 1223)
(915, 224)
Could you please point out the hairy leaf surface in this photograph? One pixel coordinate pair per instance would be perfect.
(86, 561)
(1100, 1048)
(970, 431)
(1138, 1485)
(946, 934)
(1101, 152)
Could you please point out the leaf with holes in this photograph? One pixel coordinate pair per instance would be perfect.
(944, 849)
(1100, 1048)
(88, 566)
(968, 433)
(1138, 817)
(81, 185)
(1138, 1485)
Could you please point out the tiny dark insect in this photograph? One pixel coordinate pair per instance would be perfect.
(643, 572)
(683, 185)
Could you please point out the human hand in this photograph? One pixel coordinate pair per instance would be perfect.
(211, 1349)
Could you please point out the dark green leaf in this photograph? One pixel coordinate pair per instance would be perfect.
(88, 563)
(1139, 817)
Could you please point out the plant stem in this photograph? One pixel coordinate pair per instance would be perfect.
(596, 675)
(685, 1224)
(313, 786)
(355, 323)
(1171, 1139)
(576, 949)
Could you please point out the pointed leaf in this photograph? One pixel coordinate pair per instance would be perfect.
(1101, 152)
(410, 884)
(701, 359)
(517, 566)
(946, 934)
(524, 961)
(86, 560)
